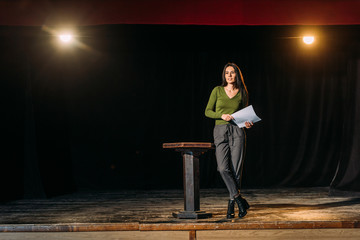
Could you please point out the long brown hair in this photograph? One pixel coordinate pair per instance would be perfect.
(239, 83)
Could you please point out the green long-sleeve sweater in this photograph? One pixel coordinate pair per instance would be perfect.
(219, 104)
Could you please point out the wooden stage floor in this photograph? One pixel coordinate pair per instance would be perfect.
(294, 208)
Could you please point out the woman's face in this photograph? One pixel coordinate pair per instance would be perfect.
(230, 75)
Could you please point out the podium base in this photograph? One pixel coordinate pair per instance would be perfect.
(192, 215)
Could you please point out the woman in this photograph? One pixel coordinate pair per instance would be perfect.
(229, 139)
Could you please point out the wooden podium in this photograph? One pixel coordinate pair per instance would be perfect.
(190, 152)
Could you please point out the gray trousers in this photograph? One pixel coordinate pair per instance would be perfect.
(229, 141)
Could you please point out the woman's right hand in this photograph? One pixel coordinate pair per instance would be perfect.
(227, 117)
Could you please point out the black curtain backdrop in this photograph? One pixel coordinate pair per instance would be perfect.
(94, 115)
(347, 177)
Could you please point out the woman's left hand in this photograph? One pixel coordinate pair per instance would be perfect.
(248, 124)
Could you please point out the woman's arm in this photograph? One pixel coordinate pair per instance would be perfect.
(209, 110)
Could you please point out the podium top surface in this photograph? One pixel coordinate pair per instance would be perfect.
(202, 145)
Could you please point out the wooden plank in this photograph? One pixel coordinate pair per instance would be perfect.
(293, 234)
(110, 235)
(205, 145)
(249, 225)
(176, 226)
(280, 234)
(192, 235)
(275, 234)
(84, 227)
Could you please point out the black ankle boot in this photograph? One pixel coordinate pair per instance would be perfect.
(241, 206)
(231, 209)
(245, 203)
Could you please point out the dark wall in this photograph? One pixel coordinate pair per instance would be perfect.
(95, 115)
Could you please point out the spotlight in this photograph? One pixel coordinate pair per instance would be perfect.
(65, 38)
(308, 39)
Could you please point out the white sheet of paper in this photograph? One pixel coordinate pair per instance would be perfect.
(245, 115)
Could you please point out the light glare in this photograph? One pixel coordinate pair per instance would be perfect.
(65, 38)
(308, 39)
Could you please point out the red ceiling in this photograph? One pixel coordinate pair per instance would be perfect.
(189, 12)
